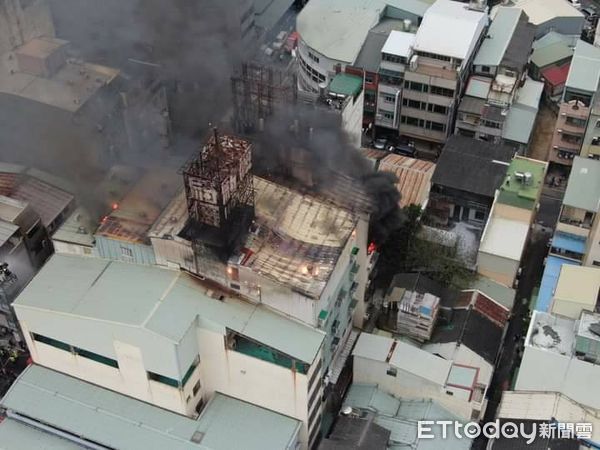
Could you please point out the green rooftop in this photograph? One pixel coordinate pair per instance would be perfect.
(345, 84)
(516, 191)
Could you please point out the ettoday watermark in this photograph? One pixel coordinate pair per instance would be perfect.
(430, 429)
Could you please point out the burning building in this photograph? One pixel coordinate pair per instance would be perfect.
(298, 253)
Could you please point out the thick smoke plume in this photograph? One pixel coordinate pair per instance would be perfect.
(193, 47)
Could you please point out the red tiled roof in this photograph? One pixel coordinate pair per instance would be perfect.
(556, 75)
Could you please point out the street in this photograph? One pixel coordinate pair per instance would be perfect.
(532, 272)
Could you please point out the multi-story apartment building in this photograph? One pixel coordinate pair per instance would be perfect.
(332, 33)
(395, 56)
(591, 140)
(569, 132)
(507, 230)
(499, 73)
(576, 240)
(294, 252)
(577, 101)
(579, 214)
(444, 48)
(164, 337)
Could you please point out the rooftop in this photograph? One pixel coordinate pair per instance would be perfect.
(552, 333)
(369, 57)
(451, 29)
(521, 117)
(578, 284)
(417, 282)
(469, 327)
(528, 405)
(584, 73)
(345, 84)
(399, 43)
(414, 178)
(113, 420)
(504, 237)
(401, 418)
(162, 301)
(498, 37)
(549, 280)
(404, 356)
(478, 87)
(521, 193)
(295, 231)
(47, 195)
(540, 11)
(556, 75)
(461, 154)
(77, 229)
(68, 89)
(356, 433)
(583, 188)
(338, 28)
(496, 291)
(134, 215)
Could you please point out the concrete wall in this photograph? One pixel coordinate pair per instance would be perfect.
(18, 25)
(408, 386)
(563, 25)
(138, 351)
(326, 67)
(115, 249)
(499, 269)
(352, 116)
(70, 248)
(592, 250)
(549, 371)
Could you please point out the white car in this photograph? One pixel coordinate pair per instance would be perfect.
(575, 3)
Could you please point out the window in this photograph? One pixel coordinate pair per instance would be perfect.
(314, 57)
(196, 388)
(596, 263)
(435, 126)
(369, 78)
(387, 115)
(126, 252)
(479, 215)
(96, 357)
(439, 109)
(449, 392)
(53, 342)
(189, 372)
(162, 379)
(413, 121)
(436, 90)
(389, 98)
(414, 86)
(485, 69)
(392, 371)
(393, 58)
(490, 124)
(434, 56)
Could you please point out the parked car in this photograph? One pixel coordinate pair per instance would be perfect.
(380, 144)
(590, 14)
(575, 3)
(404, 150)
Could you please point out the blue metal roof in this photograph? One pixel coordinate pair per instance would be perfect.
(565, 241)
(549, 280)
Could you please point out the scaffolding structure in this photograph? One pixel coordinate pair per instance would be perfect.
(219, 191)
(257, 91)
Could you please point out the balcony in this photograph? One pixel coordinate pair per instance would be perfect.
(253, 349)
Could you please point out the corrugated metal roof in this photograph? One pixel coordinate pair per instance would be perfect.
(519, 124)
(162, 301)
(541, 11)
(401, 418)
(471, 105)
(478, 87)
(77, 229)
(414, 178)
(551, 54)
(583, 188)
(15, 435)
(117, 421)
(584, 73)
(498, 37)
(372, 346)
(497, 292)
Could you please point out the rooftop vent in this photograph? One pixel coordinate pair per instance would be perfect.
(197, 437)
